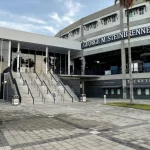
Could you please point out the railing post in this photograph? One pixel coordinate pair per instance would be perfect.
(28, 90)
(54, 100)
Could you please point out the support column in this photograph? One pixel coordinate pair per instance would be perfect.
(123, 57)
(60, 64)
(18, 54)
(46, 59)
(73, 65)
(1, 54)
(65, 64)
(54, 63)
(83, 90)
(35, 61)
(82, 56)
(9, 53)
(68, 62)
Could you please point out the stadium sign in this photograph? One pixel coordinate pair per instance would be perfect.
(116, 37)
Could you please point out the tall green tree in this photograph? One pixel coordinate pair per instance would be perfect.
(127, 4)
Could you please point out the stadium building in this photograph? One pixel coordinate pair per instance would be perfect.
(41, 69)
(104, 43)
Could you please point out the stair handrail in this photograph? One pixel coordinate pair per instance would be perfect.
(29, 90)
(38, 88)
(65, 89)
(37, 76)
(12, 83)
(21, 77)
(62, 97)
(48, 90)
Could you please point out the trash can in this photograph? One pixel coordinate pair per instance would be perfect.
(83, 98)
(15, 100)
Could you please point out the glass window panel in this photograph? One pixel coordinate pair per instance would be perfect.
(118, 91)
(139, 92)
(147, 92)
(106, 91)
(112, 91)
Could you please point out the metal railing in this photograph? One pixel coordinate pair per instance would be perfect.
(48, 90)
(37, 76)
(13, 85)
(29, 90)
(65, 90)
(56, 88)
(38, 88)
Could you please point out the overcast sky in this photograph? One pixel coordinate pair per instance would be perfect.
(46, 16)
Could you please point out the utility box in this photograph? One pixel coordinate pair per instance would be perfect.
(15, 100)
(83, 98)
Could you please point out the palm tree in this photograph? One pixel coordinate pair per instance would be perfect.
(127, 4)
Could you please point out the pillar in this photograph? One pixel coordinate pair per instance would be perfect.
(123, 57)
(9, 53)
(65, 64)
(1, 53)
(54, 63)
(83, 90)
(68, 62)
(46, 59)
(60, 64)
(35, 61)
(18, 54)
(73, 65)
(82, 56)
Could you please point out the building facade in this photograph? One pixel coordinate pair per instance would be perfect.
(103, 37)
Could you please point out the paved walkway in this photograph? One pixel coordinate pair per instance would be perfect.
(78, 126)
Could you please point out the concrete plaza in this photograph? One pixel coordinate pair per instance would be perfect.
(77, 126)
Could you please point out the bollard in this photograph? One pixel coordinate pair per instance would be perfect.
(104, 99)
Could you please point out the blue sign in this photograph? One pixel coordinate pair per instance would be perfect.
(116, 37)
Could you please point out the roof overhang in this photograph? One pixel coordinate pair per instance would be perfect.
(36, 41)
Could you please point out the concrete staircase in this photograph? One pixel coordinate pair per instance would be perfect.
(69, 95)
(44, 89)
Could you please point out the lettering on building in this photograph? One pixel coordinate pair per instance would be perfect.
(116, 37)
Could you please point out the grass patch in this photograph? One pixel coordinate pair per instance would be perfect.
(135, 106)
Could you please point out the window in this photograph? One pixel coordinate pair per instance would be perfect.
(109, 19)
(91, 25)
(137, 10)
(118, 91)
(112, 91)
(106, 91)
(113, 19)
(141, 11)
(139, 91)
(147, 92)
(105, 22)
(130, 14)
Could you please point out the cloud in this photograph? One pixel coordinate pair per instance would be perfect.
(27, 27)
(71, 9)
(55, 17)
(25, 23)
(34, 20)
(40, 23)
(21, 18)
(51, 29)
